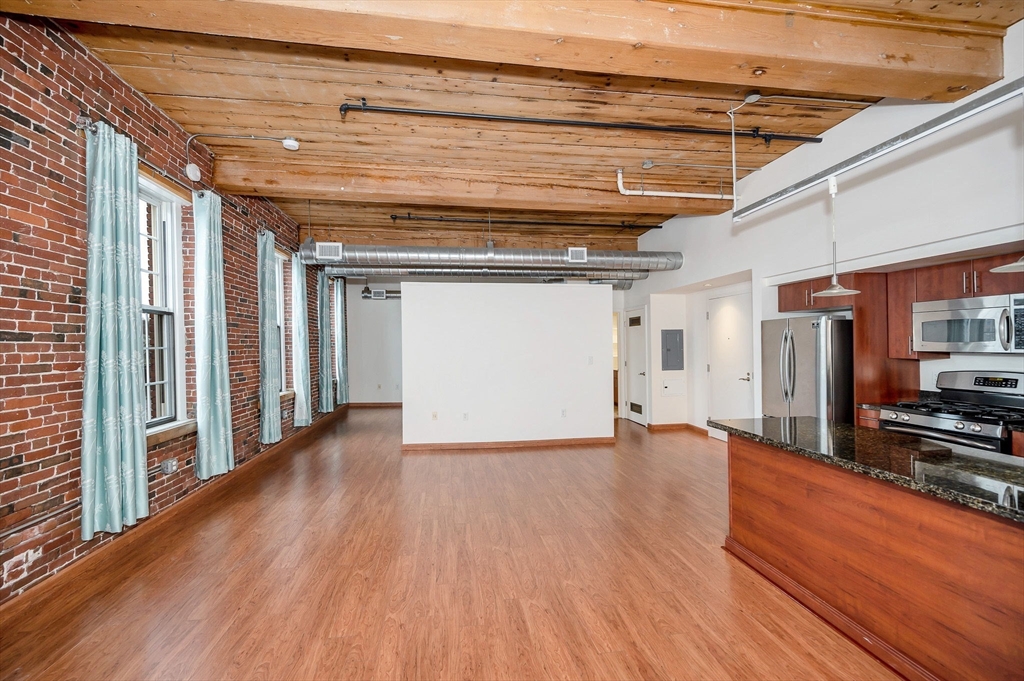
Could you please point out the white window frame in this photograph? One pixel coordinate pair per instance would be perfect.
(281, 260)
(170, 205)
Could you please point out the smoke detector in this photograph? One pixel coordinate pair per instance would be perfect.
(290, 143)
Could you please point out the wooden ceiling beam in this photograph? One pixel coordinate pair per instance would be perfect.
(443, 186)
(468, 238)
(749, 46)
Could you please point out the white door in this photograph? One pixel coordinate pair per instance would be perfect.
(730, 343)
(636, 366)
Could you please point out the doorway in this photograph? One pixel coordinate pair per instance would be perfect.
(635, 366)
(615, 362)
(730, 359)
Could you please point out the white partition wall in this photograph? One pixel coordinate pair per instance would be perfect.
(506, 362)
(374, 348)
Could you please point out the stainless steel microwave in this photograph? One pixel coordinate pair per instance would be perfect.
(987, 324)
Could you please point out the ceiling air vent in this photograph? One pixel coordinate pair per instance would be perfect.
(577, 254)
(329, 252)
(378, 294)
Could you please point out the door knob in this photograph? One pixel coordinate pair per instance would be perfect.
(643, 373)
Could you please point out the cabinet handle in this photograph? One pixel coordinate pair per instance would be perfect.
(977, 284)
(807, 298)
(965, 283)
(910, 345)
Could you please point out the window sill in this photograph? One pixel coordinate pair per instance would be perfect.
(287, 393)
(169, 431)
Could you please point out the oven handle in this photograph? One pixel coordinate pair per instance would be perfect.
(942, 437)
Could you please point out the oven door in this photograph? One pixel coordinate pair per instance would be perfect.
(980, 329)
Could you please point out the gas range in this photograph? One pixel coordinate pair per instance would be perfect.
(974, 410)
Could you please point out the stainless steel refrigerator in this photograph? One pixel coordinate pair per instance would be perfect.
(807, 367)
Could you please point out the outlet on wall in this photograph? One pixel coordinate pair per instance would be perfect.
(565, 412)
(433, 416)
(168, 466)
(590, 360)
(378, 386)
(465, 416)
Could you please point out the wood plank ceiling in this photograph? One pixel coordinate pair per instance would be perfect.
(283, 67)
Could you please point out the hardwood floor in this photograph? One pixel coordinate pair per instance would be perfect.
(345, 559)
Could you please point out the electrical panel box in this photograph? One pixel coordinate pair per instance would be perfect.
(671, 349)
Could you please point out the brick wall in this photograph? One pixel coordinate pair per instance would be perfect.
(47, 79)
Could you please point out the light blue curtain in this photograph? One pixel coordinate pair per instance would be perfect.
(214, 450)
(270, 341)
(340, 356)
(115, 490)
(323, 303)
(300, 344)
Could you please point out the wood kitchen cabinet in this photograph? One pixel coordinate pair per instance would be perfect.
(988, 284)
(901, 296)
(968, 278)
(945, 282)
(799, 296)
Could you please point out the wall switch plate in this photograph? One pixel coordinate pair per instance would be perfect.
(378, 386)
(168, 466)
(565, 412)
(465, 416)
(590, 360)
(433, 416)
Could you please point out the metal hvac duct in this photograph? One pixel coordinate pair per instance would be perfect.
(537, 258)
(501, 272)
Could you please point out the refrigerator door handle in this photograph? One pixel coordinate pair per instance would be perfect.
(792, 367)
(782, 365)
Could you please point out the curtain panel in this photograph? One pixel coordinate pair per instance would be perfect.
(323, 302)
(115, 490)
(340, 354)
(300, 344)
(214, 449)
(270, 340)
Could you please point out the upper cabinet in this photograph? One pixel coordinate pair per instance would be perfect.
(988, 284)
(945, 282)
(967, 279)
(799, 296)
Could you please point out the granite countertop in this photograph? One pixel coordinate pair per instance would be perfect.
(908, 461)
(1017, 427)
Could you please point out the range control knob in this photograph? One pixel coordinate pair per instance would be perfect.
(893, 415)
(975, 428)
(905, 417)
(959, 425)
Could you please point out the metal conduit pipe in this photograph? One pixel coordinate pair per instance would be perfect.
(546, 258)
(507, 272)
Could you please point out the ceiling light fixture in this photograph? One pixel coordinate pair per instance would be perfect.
(1010, 268)
(835, 288)
(192, 171)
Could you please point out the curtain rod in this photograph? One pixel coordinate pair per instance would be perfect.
(754, 134)
(551, 223)
(83, 122)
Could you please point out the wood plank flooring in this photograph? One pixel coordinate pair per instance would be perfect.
(346, 560)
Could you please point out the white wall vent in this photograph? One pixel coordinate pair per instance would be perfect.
(327, 251)
(577, 254)
(378, 294)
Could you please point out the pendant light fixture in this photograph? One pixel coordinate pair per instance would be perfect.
(1010, 268)
(834, 289)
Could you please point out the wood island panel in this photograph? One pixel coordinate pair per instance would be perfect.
(934, 589)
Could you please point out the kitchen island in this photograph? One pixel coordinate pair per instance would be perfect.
(872, 531)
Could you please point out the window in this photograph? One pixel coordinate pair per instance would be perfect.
(282, 260)
(163, 331)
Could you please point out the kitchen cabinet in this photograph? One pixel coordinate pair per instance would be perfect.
(987, 283)
(901, 294)
(945, 282)
(867, 418)
(799, 296)
(968, 278)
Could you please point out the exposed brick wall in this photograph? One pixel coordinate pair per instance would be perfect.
(47, 79)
